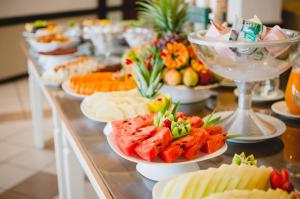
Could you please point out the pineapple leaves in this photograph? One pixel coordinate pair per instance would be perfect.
(148, 79)
(167, 16)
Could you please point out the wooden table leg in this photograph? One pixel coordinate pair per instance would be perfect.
(74, 176)
(36, 108)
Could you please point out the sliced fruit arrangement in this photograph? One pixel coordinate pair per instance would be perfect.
(180, 63)
(101, 82)
(168, 135)
(119, 105)
(112, 106)
(241, 179)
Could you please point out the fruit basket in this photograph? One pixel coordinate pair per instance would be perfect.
(188, 95)
(182, 74)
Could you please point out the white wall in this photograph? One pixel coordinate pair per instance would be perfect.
(12, 8)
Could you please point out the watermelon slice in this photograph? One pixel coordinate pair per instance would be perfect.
(196, 122)
(214, 143)
(150, 148)
(130, 125)
(201, 137)
(128, 142)
(213, 130)
(180, 115)
(176, 148)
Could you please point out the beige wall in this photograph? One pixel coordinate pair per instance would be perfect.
(12, 8)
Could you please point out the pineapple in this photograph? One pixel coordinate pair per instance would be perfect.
(168, 18)
(147, 72)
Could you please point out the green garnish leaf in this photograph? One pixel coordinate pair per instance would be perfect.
(175, 109)
(210, 120)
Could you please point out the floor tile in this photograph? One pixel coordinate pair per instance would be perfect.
(25, 139)
(33, 159)
(8, 151)
(12, 175)
(23, 92)
(24, 136)
(39, 186)
(11, 128)
(9, 103)
(51, 168)
(13, 195)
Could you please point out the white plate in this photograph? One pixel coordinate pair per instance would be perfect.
(87, 114)
(180, 161)
(47, 47)
(66, 87)
(281, 109)
(277, 96)
(279, 126)
(187, 95)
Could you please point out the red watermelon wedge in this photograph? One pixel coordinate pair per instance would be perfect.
(128, 142)
(151, 147)
(214, 143)
(201, 137)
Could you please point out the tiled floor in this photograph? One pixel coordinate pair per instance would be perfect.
(25, 172)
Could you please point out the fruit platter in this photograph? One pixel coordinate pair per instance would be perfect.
(41, 28)
(166, 143)
(116, 105)
(184, 76)
(87, 84)
(240, 179)
(51, 42)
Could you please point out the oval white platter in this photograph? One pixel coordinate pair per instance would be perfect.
(86, 113)
(187, 95)
(200, 157)
(66, 87)
(281, 108)
(277, 96)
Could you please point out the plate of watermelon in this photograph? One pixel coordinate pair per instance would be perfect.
(166, 143)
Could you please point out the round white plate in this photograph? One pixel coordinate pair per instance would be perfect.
(87, 114)
(66, 87)
(187, 95)
(281, 108)
(279, 126)
(180, 161)
(277, 96)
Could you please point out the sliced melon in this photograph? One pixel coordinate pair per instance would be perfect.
(251, 194)
(217, 180)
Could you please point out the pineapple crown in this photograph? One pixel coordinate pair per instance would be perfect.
(147, 71)
(167, 16)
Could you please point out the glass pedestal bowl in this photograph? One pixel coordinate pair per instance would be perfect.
(246, 63)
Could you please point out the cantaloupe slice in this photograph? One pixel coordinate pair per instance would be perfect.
(217, 180)
(251, 194)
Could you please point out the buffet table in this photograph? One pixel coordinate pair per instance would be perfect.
(81, 147)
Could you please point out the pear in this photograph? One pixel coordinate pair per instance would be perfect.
(190, 77)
